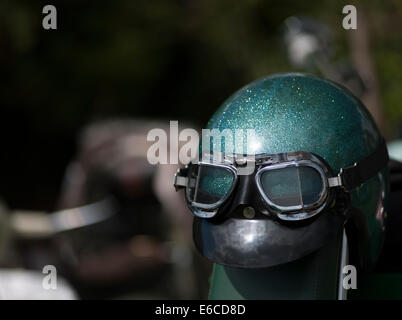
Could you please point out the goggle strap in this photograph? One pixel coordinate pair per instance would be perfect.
(355, 175)
(180, 178)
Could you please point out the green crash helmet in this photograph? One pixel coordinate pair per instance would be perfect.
(313, 165)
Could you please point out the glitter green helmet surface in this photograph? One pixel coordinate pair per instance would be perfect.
(292, 112)
(297, 112)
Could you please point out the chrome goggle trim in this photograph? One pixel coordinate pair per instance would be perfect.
(290, 213)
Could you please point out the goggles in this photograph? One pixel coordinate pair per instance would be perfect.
(293, 186)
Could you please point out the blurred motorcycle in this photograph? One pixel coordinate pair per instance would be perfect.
(119, 231)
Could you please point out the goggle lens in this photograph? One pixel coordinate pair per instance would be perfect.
(293, 186)
(209, 185)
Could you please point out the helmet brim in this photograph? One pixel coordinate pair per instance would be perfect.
(260, 243)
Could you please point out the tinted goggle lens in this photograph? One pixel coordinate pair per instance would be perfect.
(293, 186)
(209, 185)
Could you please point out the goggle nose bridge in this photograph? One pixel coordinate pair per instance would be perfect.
(245, 189)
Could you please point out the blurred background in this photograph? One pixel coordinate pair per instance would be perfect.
(114, 69)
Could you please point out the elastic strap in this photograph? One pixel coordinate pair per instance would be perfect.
(354, 176)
